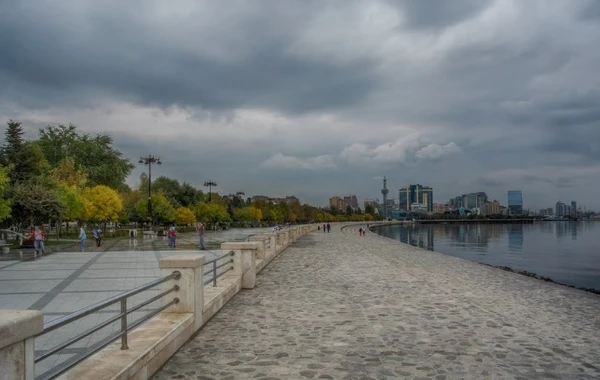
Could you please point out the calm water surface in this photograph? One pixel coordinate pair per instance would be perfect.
(567, 252)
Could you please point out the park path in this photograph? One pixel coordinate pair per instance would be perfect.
(341, 306)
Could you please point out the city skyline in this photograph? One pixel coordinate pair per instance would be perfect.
(311, 98)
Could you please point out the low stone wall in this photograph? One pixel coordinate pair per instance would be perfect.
(154, 342)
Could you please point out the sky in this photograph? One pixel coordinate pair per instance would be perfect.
(318, 98)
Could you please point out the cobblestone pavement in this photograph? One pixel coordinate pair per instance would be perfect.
(340, 306)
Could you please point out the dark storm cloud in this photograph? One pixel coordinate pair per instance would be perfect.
(438, 14)
(339, 90)
(121, 55)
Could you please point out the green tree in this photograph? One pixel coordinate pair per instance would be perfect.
(211, 213)
(4, 202)
(26, 157)
(73, 205)
(101, 204)
(348, 210)
(170, 188)
(162, 210)
(189, 195)
(129, 213)
(369, 209)
(95, 155)
(33, 203)
(67, 172)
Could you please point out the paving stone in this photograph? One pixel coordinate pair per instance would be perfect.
(339, 306)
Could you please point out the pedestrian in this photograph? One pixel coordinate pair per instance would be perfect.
(172, 235)
(328, 227)
(319, 227)
(324, 227)
(97, 232)
(360, 231)
(38, 241)
(201, 235)
(82, 237)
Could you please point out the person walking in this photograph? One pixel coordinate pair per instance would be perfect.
(328, 227)
(324, 227)
(38, 241)
(172, 235)
(97, 232)
(360, 231)
(82, 238)
(201, 235)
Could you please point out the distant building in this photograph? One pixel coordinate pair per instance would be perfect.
(351, 200)
(440, 208)
(574, 208)
(515, 202)
(491, 208)
(416, 194)
(336, 203)
(563, 209)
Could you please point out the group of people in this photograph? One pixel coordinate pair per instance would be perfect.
(326, 227)
(172, 236)
(362, 231)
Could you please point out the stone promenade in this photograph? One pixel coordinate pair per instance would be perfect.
(340, 306)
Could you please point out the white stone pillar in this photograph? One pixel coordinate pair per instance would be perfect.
(17, 348)
(270, 243)
(246, 262)
(191, 285)
(260, 239)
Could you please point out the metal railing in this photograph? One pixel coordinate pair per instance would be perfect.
(122, 316)
(215, 266)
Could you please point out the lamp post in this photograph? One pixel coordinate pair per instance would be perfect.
(210, 184)
(149, 160)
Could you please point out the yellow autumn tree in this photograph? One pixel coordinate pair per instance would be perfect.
(101, 203)
(184, 215)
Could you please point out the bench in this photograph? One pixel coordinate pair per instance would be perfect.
(27, 243)
(4, 246)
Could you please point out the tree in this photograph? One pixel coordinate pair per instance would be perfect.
(73, 205)
(189, 195)
(33, 203)
(247, 214)
(95, 155)
(162, 210)
(26, 157)
(348, 210)
(211, 213)
(184, 215)
(170, 188)
(101, 204)
(4, 203)
(67, 172)
(369, 209)
(129, 212)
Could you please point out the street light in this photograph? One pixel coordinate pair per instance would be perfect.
(149, 160)
(210, 184)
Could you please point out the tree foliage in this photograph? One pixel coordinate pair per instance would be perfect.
(4, 202)
(211, 213)
(34, 204)
(102, 164)
(247, 214)
(184, 215)
(162, 210)
(101, 203)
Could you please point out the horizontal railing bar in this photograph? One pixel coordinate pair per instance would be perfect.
(61, 321)
(219, 258)
(77, 338)
(224, 264)
(70, 363)
(208, 281)
(102, 325)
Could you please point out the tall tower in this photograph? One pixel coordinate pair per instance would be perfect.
(385, 192)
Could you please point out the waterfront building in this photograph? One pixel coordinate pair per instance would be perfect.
(515, 202)
(574, 209)
(416, 194)
(492, 208)
(351, 200)
(563, 209)
(337, 203)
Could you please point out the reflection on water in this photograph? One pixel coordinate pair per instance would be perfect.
(564, 251)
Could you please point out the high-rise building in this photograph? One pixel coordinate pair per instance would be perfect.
(563, 209)
(416, 194)
(515, 202)
(337, 203)
(351, 200)
(574, 208)
(491, 208)
(384, 193)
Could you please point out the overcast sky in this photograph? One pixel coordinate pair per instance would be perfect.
(316, 98)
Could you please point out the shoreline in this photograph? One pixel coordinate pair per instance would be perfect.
(501, 267)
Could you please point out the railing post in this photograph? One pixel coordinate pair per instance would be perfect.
(191, 284)
(17, 343)
(245, 252)
(214, 265)
(260, 239)
(124, 345)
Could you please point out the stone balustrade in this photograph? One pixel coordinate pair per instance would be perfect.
(154, 342)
